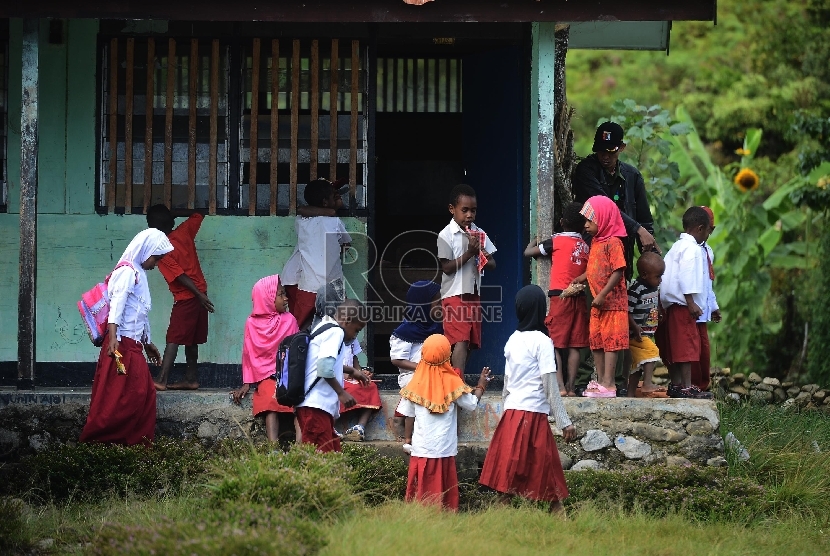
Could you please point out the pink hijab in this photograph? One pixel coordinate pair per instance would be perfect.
(606, 215)
(264, 330)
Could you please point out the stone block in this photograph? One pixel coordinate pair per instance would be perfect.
(772, 381)
(631, 447)
(566, 460)
(754, 378)
(677, 461)
(739, 377)
(734, 396)
(740, 390)
(594, 440)
(701, 448)
(779, 394)
(787, 384)
(793, 391)
(803, 398)
(699, 428)
(586, 464)
(810, 388)
(764, 387)
(658, 434)
(761, 395)
(717, 461)
(819, 396)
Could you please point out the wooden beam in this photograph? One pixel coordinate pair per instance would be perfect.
(295, 126)
(168, 123)
(315, 107)
(113, 125)
(275, 123)
(193, 96)
(149, 112)
(214, 112)
(26, 307)
(335, 83)
(253, 142)
(353, 125)
(128, 128)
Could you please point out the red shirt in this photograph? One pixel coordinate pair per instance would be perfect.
(183, 259)
(606, 257)
(569, 254)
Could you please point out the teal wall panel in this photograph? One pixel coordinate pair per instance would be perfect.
(15, 93)
(52, 139)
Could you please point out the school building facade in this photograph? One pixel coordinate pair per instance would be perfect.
(230, 108)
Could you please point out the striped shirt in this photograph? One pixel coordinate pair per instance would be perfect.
(642, 304)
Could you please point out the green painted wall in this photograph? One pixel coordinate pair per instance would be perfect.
(77, 247)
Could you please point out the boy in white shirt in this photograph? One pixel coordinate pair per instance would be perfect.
(681, 296)
(464, 251)
(316, 259)
(324, 376)
(701, 375)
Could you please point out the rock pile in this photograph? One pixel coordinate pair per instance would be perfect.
(740, 387)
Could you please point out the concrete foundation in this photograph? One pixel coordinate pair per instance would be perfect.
(612, 433)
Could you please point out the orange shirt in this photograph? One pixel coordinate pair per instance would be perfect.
(183, 259)
(606, 257)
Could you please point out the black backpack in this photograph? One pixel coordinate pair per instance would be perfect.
(291, 364)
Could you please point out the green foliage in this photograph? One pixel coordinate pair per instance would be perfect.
(90, 471)
(15, 535)
(377, 478)
(698, 493)
(308, 483)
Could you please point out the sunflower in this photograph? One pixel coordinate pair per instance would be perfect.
(746, 180)
(823, 182)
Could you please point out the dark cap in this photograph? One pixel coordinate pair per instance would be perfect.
(609, 137)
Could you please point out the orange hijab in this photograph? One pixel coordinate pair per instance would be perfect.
(435, 385)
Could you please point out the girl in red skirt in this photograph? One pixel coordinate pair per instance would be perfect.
(123, 405)
(269, 323)
(523, 459)
(358, 382)
(431, 398)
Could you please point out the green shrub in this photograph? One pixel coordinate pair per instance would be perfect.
(15, 534)
(242, 529)
(90, 471)
(377, 478)
(701, 493)
(311, 484)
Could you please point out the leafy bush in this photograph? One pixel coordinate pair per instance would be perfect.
(90, 471)
(377, 478)
(242, 529)
(702, 494)
(14, 532)
(310, 484)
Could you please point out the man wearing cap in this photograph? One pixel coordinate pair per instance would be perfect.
(602, 173)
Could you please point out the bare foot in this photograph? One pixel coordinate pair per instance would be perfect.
(652, 388)
(183, 386)
(563, 393)
(571, 394)
(159, 387)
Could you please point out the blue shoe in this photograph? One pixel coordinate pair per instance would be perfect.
(355, 434)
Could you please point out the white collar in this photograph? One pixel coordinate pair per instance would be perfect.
(455, 228)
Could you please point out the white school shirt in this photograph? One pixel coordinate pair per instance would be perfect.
(327, 344)
(126, 310)
(316, 259)
(685, 264)
(436, 434)
(711, 304)
(528, 356)
(452, 243)
(401, 349)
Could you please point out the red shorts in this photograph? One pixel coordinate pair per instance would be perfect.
(609, 330)
(677, 336)
(188, 323)
(300, 304)
(567, 321)
(265, 400)
(462, 319)
(317, 427)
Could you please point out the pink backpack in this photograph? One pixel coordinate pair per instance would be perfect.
(94, 307)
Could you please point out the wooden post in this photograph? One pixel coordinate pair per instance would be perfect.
(542, 156)
(28, 207)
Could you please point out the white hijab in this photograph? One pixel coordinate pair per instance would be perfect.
(143, 246)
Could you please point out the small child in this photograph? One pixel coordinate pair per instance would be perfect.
(681, 296)
(523, 458)
(267, 326)
(358, 383)
(316, 260)
(609, 309)
(423, 303)
(464, 251)
(710, 312)
(324, 377)
(643, 300)
(191, 305)
(431, 398)
(567, 320)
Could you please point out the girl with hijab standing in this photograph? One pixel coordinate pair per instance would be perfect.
(267, 326)
(431, 398)
(423, 302)
(608, 325)
(522, 459)
(123, 405)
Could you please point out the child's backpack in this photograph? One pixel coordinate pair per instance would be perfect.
(291, 364)
(94, 307)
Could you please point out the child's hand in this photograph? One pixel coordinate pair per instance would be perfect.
(695, 311)
(206, 302)
(569, 433)
(346, 399)
(637, 332)
(153, 354)
(716, 316)
(484, 378)
(598, 301)
(361, 376)
(474, 246)
(112, 345)
(240, 393)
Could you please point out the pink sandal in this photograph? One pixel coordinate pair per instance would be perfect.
(596, 390)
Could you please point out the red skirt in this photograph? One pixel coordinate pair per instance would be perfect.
(433, 481)
(365, 396)
(123, 407)
(523, 459)
(265, 400)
